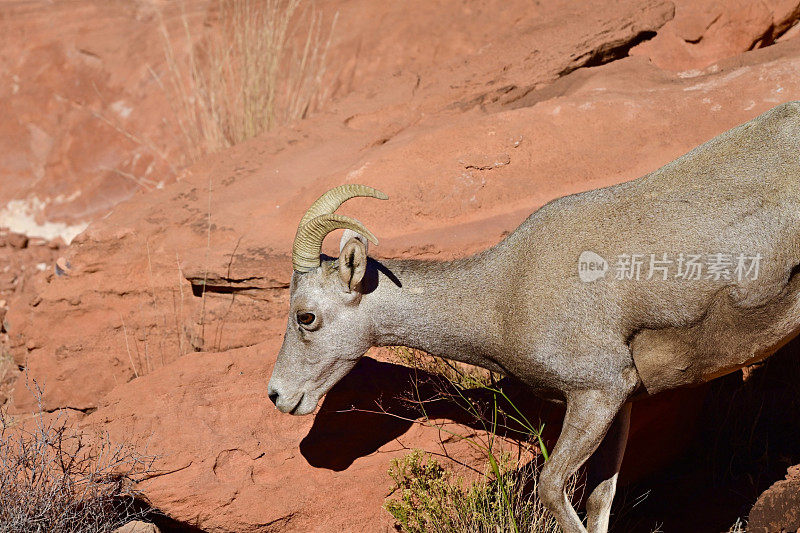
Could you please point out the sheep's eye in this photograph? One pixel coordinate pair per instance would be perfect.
(305, 319)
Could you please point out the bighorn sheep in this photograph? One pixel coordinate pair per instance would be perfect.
(545, 305)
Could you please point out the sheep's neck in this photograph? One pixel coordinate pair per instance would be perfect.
(445, 309)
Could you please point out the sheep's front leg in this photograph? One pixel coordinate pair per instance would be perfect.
(590, 413)
(603, 470)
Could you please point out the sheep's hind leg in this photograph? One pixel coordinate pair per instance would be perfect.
(602, 472)
(590, 414)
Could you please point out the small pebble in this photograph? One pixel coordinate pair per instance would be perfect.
(17, 240)
(63, 268)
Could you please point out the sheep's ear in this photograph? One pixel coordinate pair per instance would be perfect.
(350, 234)
(352, 263)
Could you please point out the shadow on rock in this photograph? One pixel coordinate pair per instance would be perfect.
(378, 402)
(749, 434)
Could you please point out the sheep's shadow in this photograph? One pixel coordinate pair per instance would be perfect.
(375, 404)
(378, 402)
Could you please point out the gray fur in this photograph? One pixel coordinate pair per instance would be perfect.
(520, 307)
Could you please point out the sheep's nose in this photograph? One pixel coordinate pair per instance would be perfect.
(273, 395)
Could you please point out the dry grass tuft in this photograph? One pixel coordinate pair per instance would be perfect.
(454, 372)
(248, 73)
(8, 372)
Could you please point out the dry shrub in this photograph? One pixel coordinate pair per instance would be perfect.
(248, 73)
(56, 479)
(428, 498)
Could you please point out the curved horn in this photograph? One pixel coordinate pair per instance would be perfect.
(331, 200)
(308, 241)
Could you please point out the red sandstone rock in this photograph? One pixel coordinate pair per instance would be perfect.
(82, 110)
(233, 463)
(16, 240)
(469, 115)
(706, 31)
(456, 213)
(778, 508)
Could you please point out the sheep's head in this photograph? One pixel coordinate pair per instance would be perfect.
(327, 331)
